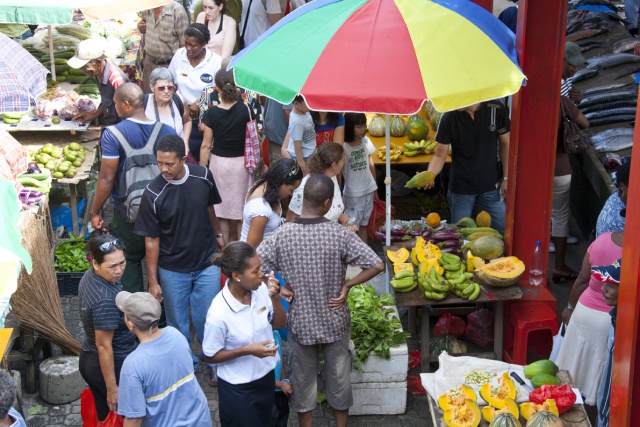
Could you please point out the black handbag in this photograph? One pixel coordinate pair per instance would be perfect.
(575, 140)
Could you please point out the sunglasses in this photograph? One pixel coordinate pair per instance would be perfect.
(294, 170)
(107, 247)
(170, 88)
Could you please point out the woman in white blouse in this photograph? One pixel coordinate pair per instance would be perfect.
(262, 212)
(238, 336)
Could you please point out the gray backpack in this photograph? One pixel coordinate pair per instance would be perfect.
(139, 169)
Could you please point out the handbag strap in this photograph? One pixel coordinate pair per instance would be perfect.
(246, 19)
(248, 111)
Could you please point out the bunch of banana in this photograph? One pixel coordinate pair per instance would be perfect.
(419, 147)
(458, 279)
(404, 281)
(394, 153)
(11, 118)
(435, 286)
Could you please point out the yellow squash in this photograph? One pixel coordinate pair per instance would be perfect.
(489, 412)
(456, 397)
(465, 415)
(401, 255)
(496, 396)
(527, 409)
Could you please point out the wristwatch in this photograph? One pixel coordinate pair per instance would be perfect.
(504, 178)
(570, 307)
(219, 235)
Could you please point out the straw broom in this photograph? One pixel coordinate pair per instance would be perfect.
(36, 303)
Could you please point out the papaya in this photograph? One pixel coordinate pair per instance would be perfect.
(417, 130)
(466, 222)
(541, 367)
(487, 247)
(479, 234)
(483, 219)
(421, 179)
(542, 379)
(501, 273)
(470, 230)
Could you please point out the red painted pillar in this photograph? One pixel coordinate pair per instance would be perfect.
(487, 4)
(625, 404)
(534, 127)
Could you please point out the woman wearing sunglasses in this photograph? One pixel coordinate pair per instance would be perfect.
(262, 212)
(164, 105)
(107, 341)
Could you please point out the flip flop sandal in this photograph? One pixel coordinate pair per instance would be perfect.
(562, 277)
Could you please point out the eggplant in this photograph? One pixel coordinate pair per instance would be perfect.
(427, 234)
(445, 235)
(379, 236)
(453, 243)
(415, 233)
(455, 251)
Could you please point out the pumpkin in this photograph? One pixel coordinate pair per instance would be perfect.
(417, 130)
(456, 397)
(483, 219)
(399, 266)
(414, 255)
(401, 255)
(528, 409)
(505, 419)
(397, 127)
(377, 126)
(496, 396)
(545, 419)
(489, 413)
(465, 415)
(487, 247)
(473, 262)
(501, 272)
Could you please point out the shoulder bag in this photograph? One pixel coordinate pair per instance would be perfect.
(252, 156)
(575, 140)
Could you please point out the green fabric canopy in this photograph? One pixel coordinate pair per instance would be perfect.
(37, 12)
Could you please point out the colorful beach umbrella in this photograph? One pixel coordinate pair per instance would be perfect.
(383, 56)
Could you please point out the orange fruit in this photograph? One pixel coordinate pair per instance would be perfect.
(433, 219)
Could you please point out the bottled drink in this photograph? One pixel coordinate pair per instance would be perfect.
(536, 268)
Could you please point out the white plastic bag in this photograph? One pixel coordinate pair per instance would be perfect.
(557, 342)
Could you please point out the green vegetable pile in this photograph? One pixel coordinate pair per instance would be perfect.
(372, 328)
(71, 256)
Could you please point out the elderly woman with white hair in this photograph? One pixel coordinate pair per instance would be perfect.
(164, 104)
(8, 416)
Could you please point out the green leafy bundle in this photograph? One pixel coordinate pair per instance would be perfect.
(372, 328)
(71, 256)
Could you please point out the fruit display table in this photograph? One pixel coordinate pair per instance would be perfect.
(89, 140)
(576, 416)
(453, 305)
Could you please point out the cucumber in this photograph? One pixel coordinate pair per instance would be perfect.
(58, 61)
(60, 78)
(77, 72)
(74, 78)
(42, 176)
(31, 183)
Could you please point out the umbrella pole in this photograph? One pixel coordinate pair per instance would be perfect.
(387, 185)
(53, 67)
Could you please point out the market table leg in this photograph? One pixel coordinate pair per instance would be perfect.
(424, 338)
(74, 209)
(412, 320)
(497, 329)
(86, 217)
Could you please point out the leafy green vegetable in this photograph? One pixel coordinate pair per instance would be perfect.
(372, 328)
(71, 256)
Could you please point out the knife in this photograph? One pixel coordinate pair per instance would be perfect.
(488, 293)
(521, 382)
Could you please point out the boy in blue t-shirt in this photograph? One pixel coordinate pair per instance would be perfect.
(280, 414)
(302, 134)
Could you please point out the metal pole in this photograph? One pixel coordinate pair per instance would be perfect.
(387, 184)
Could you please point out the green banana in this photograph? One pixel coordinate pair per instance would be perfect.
(432, 273)
(475, 293)
(425, 286)
(439, 286)
(410, 146)
(450, 258)
(469, 289)
(458, 279)
(452, 267)
(411, 153)
(435, 296)
(404, 274)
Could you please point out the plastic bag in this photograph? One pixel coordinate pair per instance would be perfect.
(448, 324)
(557, 342)
(113, 420)
(378, 216)
(414, 385)
(415, 359)
(88, 409)
(480, 327)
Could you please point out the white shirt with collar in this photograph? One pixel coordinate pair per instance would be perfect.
(231, 325)
(192, 81)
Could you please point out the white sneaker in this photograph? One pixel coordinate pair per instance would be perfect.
(552, 247)
(572, 240)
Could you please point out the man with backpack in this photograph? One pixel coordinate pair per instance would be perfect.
(128, 164)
